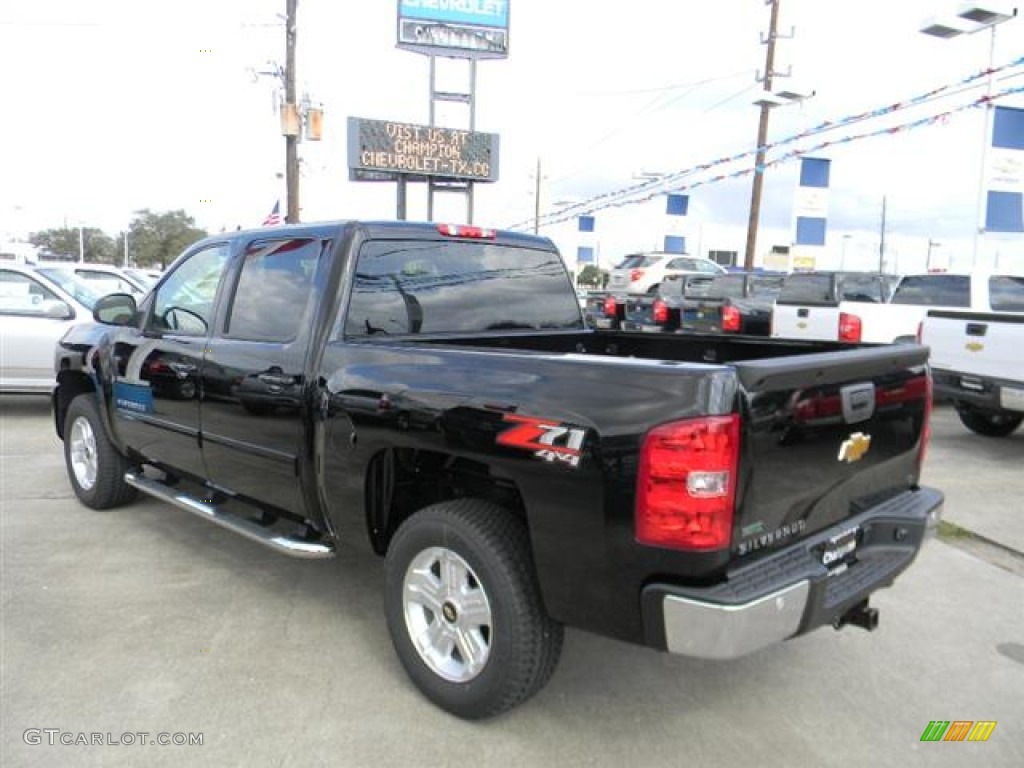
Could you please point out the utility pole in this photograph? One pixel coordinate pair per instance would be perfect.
(291, 147)
(762, 138)
(536, 201)
(881, 242)
(928, 258)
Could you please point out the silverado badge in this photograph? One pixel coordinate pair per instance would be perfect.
(854, 447)
(974, 346)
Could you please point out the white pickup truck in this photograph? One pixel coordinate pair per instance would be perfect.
(977, 359)
(852, 311)
(827, 306)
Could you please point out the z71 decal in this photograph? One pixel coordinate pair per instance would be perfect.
(548, 440)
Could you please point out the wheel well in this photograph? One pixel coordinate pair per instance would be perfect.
(400, 481)
(70, 384)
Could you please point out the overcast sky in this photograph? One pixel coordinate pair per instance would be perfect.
(115, 105)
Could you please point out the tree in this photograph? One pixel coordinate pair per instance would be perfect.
(64, 243)
(593, 276)
(158, 238)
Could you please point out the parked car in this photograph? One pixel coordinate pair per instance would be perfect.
(146, 277)
(977, 358)
(104, 278)
(826, 306)
(517, 472)
(34, 313)
(662, 312)
(644, 272)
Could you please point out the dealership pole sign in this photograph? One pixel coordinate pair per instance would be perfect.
(470, 29)
(378, 147)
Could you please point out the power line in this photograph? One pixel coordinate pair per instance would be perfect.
(663, 183)
(641, 193)
(672, 87)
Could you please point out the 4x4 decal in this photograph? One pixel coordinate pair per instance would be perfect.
(549, 440)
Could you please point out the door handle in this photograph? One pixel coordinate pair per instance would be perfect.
(275, 379)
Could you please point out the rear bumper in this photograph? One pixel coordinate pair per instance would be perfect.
(791, 592)
(982, 392)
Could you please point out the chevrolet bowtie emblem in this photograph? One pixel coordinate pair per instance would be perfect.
(854, 447)
(801, 325)
(974, 346)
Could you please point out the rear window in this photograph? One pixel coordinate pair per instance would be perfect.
(1006, 294)
(808, 289)
(766, 286)
(934, 290)
(685, 285)
(637, 260)
(867, 288)
(417, 286)
(727, 287)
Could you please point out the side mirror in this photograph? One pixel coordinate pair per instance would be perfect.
(55, 309)
(114, 309)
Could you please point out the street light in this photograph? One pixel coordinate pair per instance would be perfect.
(971, 18)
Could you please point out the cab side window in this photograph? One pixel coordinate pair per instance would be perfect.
(21, 295)
(273, 290)
(184, 303)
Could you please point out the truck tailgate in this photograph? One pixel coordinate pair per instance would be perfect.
(826, 435)
(704, 315)
(975, 343)
(806, 322)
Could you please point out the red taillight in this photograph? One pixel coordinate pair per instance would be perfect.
(611, 307)
(849, 327)
(686, 483)
(635, 274)
(463, 230)
(730, 318)
(660, 312)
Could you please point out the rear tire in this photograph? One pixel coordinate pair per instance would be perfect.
(95, 468)
(464, 609)
(989, 423)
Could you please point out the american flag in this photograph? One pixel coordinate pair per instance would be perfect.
(274, 217)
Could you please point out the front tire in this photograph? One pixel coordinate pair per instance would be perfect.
(464, 609)
(95, 468)
(989, 423)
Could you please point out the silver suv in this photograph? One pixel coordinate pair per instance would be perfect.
(643, 272)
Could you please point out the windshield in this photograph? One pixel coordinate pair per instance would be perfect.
(78, 289)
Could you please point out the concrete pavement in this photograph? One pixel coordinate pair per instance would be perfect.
(148, 619)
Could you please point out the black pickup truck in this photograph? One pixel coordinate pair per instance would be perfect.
(663, 311)
(431, 392)
(738, 302)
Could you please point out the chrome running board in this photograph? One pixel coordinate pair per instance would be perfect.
(295, 547)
